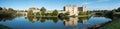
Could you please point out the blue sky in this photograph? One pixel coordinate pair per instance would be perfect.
(59, 4)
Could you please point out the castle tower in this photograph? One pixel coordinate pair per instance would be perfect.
(84, 8)
(72, 9)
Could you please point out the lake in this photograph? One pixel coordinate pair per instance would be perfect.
(55, 22)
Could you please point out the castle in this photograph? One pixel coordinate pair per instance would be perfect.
(72, 9)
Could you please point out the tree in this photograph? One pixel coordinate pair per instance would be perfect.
(67, 13)
(38, 14)
(82, 13)
(6, 14)
(11, 9)
(55, 12)
(55, 19)
(43, 10)
(118, 9)
(1, 8)
(25, 10)
(30, 12)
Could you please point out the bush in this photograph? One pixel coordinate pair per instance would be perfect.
(82, 13)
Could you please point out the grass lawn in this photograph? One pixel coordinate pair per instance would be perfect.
(117, 12)
(115, 24)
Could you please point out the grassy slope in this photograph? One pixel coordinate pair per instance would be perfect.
(115, 24)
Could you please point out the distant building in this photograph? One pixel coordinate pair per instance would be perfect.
(59, 11)
(74, 10)
(22, 13)
(35, 10)
(83, 9)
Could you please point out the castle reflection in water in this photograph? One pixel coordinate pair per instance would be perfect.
(55, 22)
(75, 22)
(71, 21)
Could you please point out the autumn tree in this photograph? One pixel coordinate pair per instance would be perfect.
(30, 12)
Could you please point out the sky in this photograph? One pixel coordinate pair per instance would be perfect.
(59, 4)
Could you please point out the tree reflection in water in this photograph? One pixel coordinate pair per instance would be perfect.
(4, 20)
(54, 19)
(4, 27)
(68, 22)
(33, 19)
(7, 18)
(83, 19)
(42, 19)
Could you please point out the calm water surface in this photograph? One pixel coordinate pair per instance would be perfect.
(54, 22)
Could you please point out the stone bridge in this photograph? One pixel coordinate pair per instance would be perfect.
(22, 13)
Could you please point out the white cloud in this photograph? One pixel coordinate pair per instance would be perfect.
(86, 3)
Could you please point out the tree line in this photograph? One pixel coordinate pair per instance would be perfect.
(7, 13)
(43, 12)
